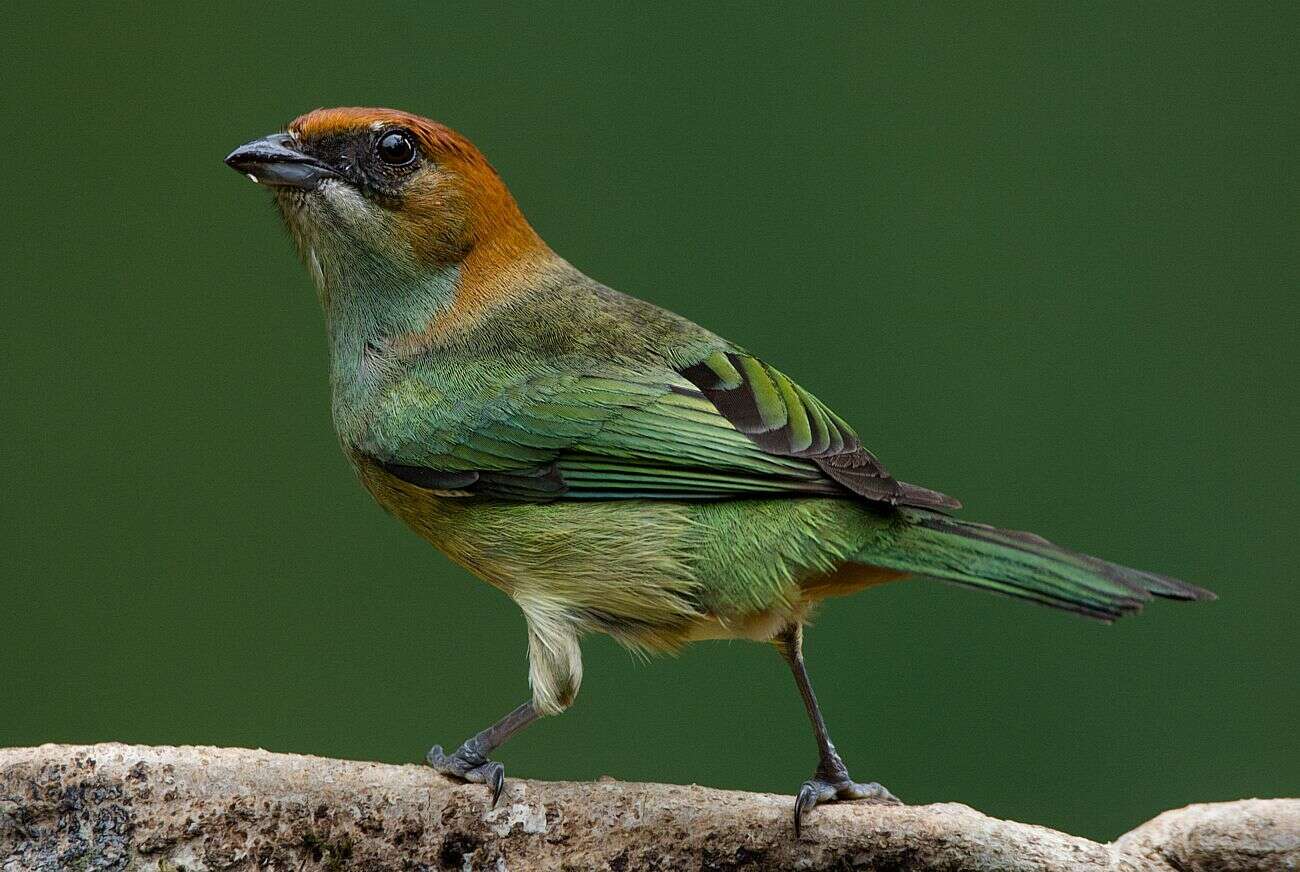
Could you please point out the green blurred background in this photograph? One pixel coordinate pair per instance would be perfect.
(1044, 256)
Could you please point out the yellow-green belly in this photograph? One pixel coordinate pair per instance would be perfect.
(652, 573)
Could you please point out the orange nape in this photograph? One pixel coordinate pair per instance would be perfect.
(458, 211)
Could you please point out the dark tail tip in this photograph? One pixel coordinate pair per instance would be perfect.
(1176, 588)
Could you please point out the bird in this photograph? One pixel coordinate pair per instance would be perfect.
(609, 465)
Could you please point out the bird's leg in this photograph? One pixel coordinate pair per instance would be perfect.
(831, 781)
(554, 671)
(470, 761)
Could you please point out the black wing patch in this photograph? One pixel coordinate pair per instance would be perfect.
(540, 484)
(782, 418)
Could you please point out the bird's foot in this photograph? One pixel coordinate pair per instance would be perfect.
(468, 764)
(820, 790)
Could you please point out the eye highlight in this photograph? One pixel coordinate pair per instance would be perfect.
(396, 148)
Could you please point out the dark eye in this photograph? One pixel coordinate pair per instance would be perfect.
(396, 148)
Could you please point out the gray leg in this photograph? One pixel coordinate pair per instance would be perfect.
(831, 781)
(554, 671)
(471, 763)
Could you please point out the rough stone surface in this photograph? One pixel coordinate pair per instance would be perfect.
(119, 807)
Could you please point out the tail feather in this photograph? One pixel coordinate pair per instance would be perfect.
(1021, 565)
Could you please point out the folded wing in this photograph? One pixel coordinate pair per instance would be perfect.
(718, 432)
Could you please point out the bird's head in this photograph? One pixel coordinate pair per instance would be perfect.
(378, 196)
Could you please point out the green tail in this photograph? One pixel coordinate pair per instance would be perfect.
(1021, 565)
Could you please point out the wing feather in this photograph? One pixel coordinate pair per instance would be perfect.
(729, 426)
(784, 419)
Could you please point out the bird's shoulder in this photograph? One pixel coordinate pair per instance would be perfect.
(565, 333)
(578, 368)
(564, 317)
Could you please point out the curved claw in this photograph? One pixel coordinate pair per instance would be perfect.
(805, 801)
(816, 791)
(495, 776)
(469, 765)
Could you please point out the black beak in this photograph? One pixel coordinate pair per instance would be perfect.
(275, 161)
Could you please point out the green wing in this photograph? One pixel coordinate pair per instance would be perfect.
(784, 419)
(622, 434)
